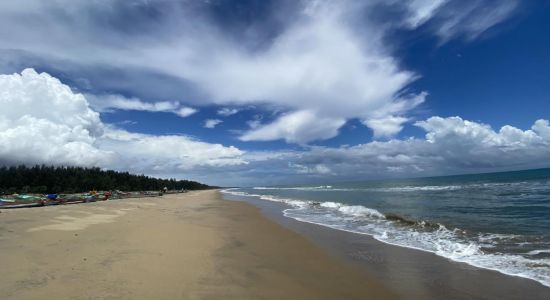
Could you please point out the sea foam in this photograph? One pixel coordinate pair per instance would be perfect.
(453, 244)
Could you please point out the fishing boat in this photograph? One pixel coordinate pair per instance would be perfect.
(20, 201)
(20, 205)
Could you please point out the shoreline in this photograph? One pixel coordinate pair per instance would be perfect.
(186, 246)
(426, 274)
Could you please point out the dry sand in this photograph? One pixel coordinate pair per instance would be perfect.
(182, 246)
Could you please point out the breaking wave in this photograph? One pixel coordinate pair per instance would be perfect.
(480, 250)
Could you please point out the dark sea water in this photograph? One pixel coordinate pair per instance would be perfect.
(498, 221)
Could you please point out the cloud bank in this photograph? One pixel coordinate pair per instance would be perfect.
(451, 146)
(44, 121)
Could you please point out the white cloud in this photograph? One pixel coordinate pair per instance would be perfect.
(296, 127)
(185, 111)
(255, 122)
(472, 18)
(211, 123)
(297, 73)
(318, 169)
(126, 122)
(456, 18)
(421, 11)
(464, 133)
(105, 103)
(387, 126)
(226, 111)
(293, 70)
(167, 153)
(43, 121)
(542, 128)
(451, 146)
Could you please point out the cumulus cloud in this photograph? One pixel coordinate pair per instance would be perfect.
(451, 146)
(42, 121)
(211, 123)
(387, 126)
(457, 131)
(105, 103)
(296, 127)
(542, 128)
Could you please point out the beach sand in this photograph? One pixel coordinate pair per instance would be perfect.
(180, 246)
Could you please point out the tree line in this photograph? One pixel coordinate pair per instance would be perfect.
(56, 179)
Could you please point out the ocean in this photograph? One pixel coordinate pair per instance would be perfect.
(497, 221)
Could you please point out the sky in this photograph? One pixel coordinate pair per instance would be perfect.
(269, 92)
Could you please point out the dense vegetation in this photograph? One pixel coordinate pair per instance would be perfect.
(48, 179)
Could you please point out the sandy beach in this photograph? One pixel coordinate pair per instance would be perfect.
(180, 246)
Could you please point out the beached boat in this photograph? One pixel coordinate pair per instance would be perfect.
(27, 198)
(71, 199)
(20, 201)
(20, 205)
(4, 200)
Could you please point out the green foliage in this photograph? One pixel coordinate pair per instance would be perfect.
(50, 179)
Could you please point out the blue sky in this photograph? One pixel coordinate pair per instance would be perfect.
(276, 92)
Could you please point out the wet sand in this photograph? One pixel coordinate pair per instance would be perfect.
(411, 274)
(182, 246)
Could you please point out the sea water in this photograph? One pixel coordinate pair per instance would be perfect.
(498, 221)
